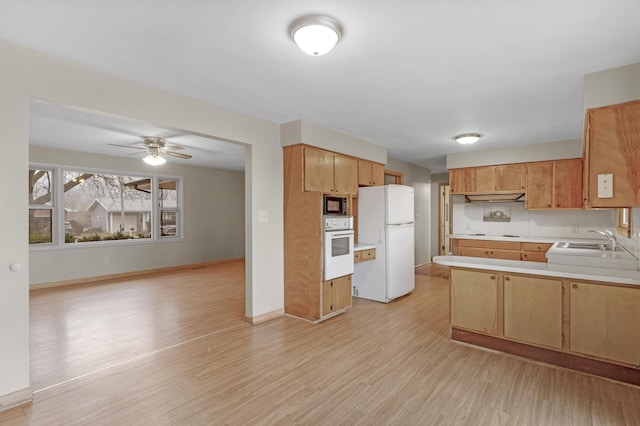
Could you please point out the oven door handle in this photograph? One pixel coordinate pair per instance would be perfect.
(345, 234)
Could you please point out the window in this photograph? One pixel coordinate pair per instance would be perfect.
(624, 222)
(41, 210)
(87, 206)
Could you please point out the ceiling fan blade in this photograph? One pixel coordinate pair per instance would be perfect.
(174, 147)
(176, 154)
(128, 146)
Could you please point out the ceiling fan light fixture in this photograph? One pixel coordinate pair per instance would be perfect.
(315, 34)
(154, 160)
(467, 138)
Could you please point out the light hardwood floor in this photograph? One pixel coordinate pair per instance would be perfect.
(173, 349)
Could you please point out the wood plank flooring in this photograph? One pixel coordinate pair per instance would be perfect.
(177, 353)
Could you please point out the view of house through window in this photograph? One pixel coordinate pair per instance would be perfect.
(40, 206)
(99, 207)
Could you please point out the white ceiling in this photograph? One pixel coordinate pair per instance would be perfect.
(407, 74)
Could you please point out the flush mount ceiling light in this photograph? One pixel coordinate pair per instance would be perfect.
(315, 34)
(467, 138)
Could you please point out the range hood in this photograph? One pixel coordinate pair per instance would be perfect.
(494, 198)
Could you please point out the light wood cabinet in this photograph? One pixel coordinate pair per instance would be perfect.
(370, 173)
(554, 185)
(336, 295)
(330, 173)
(364, 255)
(474, 300)
(535, 252)
(605, 321)
(491, 249)
(612, 146)
(504, 178)
(533, 310)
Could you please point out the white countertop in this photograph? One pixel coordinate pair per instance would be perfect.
(363, 246)
(615, 276)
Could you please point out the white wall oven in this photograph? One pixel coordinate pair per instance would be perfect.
(338, 247)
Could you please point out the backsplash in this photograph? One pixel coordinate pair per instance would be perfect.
(468, 219)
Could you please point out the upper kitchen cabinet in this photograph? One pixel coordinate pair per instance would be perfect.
(612, 156)
(330, 173)
(554, 184)
(370, 173)
(504, 178)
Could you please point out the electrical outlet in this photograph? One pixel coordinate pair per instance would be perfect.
(605, 185)
(263, 216)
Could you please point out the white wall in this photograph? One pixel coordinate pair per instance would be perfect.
(30, 74)
(419, 178)
(213, 222)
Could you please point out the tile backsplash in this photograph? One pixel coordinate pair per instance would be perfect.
(468, 219)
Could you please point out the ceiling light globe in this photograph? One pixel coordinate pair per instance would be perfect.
(315, 35)
(154, 160)
(467, 138)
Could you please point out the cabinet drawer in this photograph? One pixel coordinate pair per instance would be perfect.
(534, 256)
(536, 246)
(503, 245)
(364, 255)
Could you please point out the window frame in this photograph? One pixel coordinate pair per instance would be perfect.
(58, 237)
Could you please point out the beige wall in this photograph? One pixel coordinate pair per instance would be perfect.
(612, 86)
(420, 179)
(213, 222)
(302, 131)
(28, 74)
(517, 154)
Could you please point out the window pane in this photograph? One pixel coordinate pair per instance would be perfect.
(40, 187)
(168, 199)
(40, 226)
(107, 207)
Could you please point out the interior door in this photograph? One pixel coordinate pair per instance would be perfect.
(444, 219)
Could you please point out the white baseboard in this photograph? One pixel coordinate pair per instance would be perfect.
(265, 317)
(16, 398)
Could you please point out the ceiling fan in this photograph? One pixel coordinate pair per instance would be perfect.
(154, 146)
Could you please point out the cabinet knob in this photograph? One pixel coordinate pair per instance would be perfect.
(548, 205)
(574, 285)
(507, 278)
(493, 277)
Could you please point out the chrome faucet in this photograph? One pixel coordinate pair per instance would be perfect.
(609, 236)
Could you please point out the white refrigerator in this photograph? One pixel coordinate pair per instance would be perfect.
(386, 220)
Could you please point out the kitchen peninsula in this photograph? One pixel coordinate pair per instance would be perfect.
(554, 313)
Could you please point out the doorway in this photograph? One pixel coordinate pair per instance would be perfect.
(444, 219)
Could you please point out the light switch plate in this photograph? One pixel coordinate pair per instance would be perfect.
(605, 185)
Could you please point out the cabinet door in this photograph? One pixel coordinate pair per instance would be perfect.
(462, 181)
(318, 170)
(336, 294)
(474, 300)
(533, 310)
(474, 251)
(346, 175)
(510, 177)
(377, 174)
(539, 185)
(534, 256)
(342, 293)
(612, 146)
(567, 184)
(485, 179)
(604, 321)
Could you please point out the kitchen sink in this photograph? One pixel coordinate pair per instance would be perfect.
(584, 246)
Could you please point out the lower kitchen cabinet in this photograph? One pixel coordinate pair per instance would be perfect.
(533, 310)
(336, 294)
(605, 321)
(474, 300)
